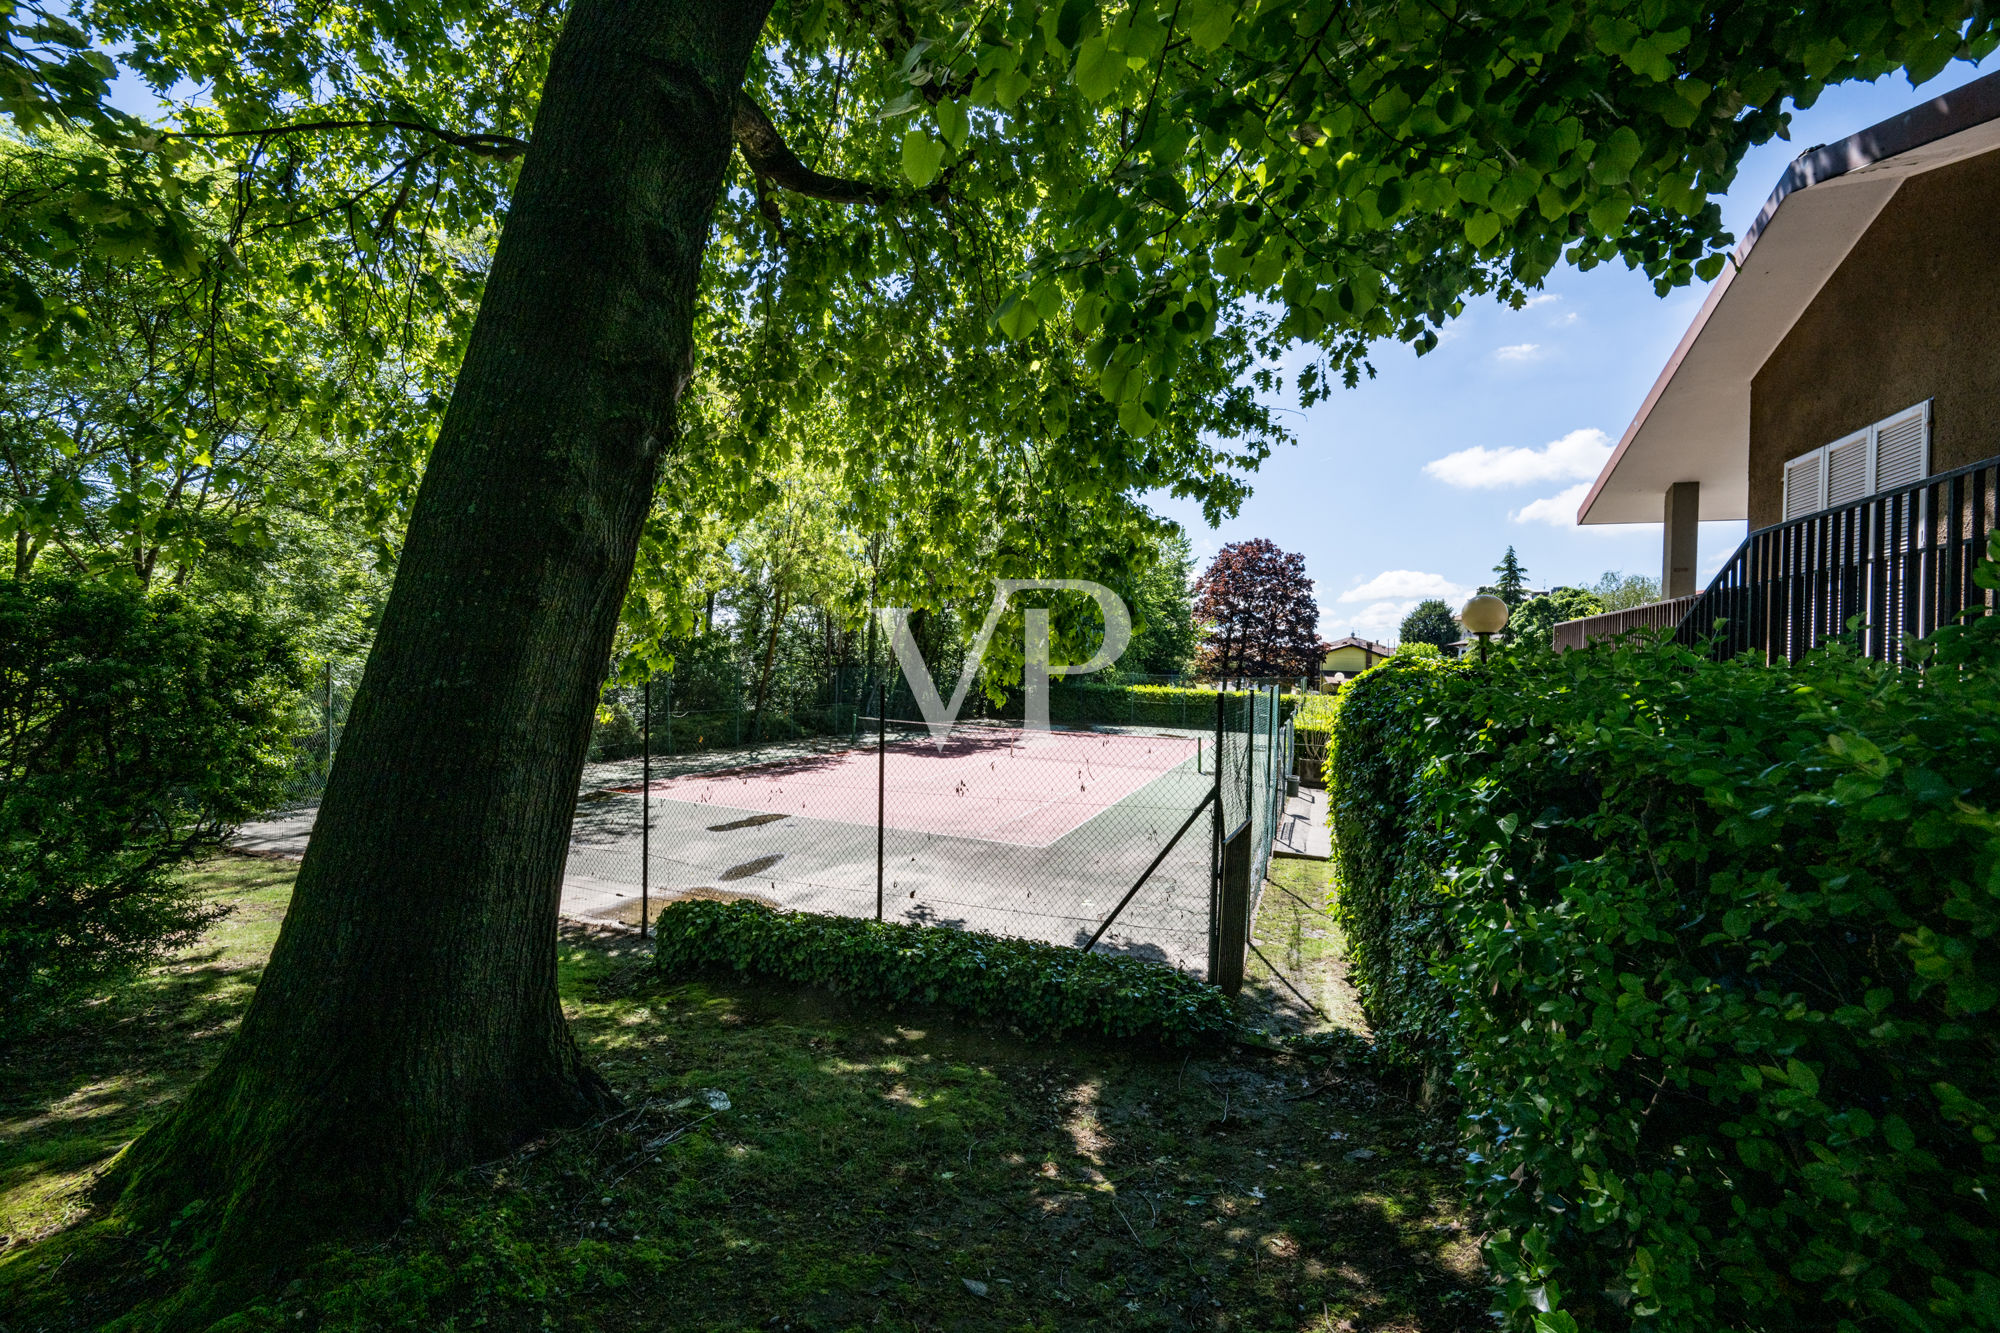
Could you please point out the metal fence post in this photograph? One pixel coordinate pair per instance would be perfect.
(1215, 853)
(881, 783)
(645, 805)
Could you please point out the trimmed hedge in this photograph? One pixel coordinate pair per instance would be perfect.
(1188, 706)
(1708, 952)
(1043, 989)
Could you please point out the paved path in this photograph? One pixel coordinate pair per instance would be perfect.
(1302, 829)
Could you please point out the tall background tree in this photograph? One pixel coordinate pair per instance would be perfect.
(1534, 623)
(1257, 612)
(924, 214)
(1431, 621)
(1165, 637)
(1511, 583)
(1616, 591)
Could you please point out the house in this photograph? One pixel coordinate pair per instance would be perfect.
(1839, 391)
(1351, 656)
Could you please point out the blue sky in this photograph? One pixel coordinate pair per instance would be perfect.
(1540, 394)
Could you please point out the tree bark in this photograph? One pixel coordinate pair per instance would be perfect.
(408, 1022)
(770, 651)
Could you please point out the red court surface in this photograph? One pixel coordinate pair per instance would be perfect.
(1026, 790)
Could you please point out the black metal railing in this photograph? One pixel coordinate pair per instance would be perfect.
(1901, 561)
(1611, 624)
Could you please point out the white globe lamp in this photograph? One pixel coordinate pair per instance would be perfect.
(1485, 615)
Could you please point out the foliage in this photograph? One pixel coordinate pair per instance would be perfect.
(1164, 634)
(1256, 605)
(1316, 713)
(1039, 988)
(1534, 624)
(1431, 621)
(1512, 585)
(134, 730)
(183, 418)
(1429, 651)
(1710, 947)
(1085, 225)
(1621, 592)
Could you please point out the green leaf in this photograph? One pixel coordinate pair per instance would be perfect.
(1069, 22)
(1481, 228)
(952, 121)
(922, 156)
(1614, 159)
(1208, 23)
(1099, 69)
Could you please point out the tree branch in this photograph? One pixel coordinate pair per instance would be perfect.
(769, 156)
(505, 147)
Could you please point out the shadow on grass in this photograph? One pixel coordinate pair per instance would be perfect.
(789, 1159)
(85, 1083)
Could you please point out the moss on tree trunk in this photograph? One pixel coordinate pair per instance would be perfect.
(408, 1022)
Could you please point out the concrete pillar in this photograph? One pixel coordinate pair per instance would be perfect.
(1677, 558)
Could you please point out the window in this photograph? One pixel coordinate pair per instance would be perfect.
(1895, 451)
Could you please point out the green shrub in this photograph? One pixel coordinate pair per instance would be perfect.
(1043, 989)
(134, 730)
(1316, 712)
(1709, 953)
(1189, 706)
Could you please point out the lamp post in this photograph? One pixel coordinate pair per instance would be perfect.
(1485, 615)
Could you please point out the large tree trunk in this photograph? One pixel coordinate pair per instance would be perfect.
(408, 1022)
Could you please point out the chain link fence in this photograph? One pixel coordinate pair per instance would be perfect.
(1107, 831)
(1103, 832)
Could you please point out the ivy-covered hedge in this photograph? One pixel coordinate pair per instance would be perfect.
(1043, 989)
(1709, 953)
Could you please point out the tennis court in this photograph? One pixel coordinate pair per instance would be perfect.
(1033, 834)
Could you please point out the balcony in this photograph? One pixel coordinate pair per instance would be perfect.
(1899, 563)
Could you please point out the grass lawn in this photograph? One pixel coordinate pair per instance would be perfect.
(790, 1161)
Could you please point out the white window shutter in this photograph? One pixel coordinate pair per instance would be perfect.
(1805, 484)
(1847, 470)
(1903, 448)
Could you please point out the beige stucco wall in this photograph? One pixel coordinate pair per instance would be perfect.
(1350, 660)
(1912, 313)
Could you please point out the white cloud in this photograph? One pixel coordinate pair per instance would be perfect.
(1541, 298)
(1410, 584)
(1576, 456)
(1518, 352)
(1557, 510)
(1380, 621)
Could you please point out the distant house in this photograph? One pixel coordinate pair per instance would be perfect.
(1351, 656)
(1840, 391)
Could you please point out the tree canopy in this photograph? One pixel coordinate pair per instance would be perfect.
(1511, 585)
(1257, 610)
(1431, 621)
(1533, 625)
